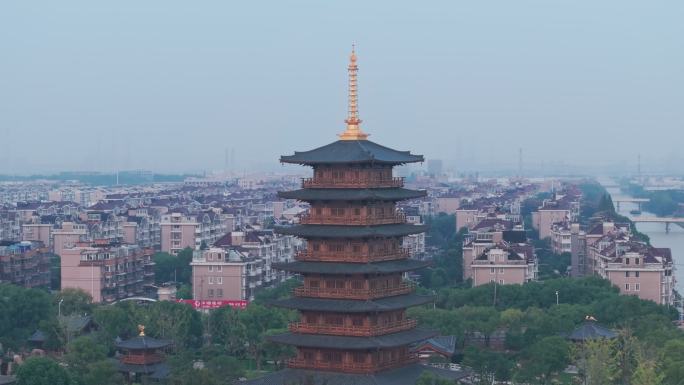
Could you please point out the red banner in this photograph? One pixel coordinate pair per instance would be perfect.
(214, 304)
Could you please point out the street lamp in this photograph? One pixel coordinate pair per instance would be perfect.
(556, 297)
(59, 307)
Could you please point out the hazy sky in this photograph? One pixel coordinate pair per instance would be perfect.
(170, 85)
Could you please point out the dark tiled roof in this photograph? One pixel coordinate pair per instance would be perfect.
(352, 268)
(590, 330)
(352, 306)
(406, 375)
(443, 344)
(143, 342)
(335, 231)
(356, 343)
(352, 151)
(389, 194)
(38, 336)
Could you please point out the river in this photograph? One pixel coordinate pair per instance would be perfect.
(656, 231)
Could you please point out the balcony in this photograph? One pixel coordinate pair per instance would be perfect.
(364, 294)
(351, 183)
(142, 359)
(356, 331)
(329, 256)
(349, 367)
(353, 220)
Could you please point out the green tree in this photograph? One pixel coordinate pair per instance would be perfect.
(647, 373)
(171, 320)
(597, 361)
(227, 330)
(102, 372)
(81, 353)
(41, 371)
(673, 362)
(258, 320)
(74, 301)
(21, 313)
(544, 359)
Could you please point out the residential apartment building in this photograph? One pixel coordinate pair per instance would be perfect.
(505, 264)
(108, 272)
(221, 274)
(180, 231)
(25, 264)
(559, 210)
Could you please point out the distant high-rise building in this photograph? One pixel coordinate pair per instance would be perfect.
(434, 167)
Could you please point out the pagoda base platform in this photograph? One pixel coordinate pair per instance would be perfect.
(406, 375)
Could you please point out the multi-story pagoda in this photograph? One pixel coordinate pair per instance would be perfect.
(353, 300)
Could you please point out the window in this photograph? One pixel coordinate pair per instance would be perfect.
(636, 274)
(219, 280)
(636, 261)
(211, 293)
(357, 211)
(637, 287)
(219, 268)
(356, 248)
(626, 287)
(501, 270)
(627, 274)
(359, 358)
(211, 280)
(316, 247)
(313, 284)
(211, 268)
(219, 293)
(492, 270)
(501, 282)
(626, 261)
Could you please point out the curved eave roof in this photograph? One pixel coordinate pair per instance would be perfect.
(340, 231)
(142, 342)
(349, 194)
(387, 267)
(352, 151)
(353, 306)
(354, 343)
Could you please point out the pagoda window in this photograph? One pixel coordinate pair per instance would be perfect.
(332, 357)
(316, 246)
(334, 284)
(314, 284)
(319, 211)
(359, 358)
(337, 247)
(356, 248)
(320, 174)
(334, 320)
(309, 356)
(356, 175)
(357, 284)
(311, 319)
(357, 321)
(338, 174)
(357, 211)
(337, 211)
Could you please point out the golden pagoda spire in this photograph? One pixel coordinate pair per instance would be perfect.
(353, 131)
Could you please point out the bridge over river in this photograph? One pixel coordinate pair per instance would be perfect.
(665, 220)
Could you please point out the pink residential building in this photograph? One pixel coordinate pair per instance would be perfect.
(225, 274)
(41, 232)
(178, 232)
(108, 273)
(67, 236)
(505, 264)
(561, 210)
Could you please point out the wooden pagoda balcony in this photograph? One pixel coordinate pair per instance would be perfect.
(349, 367)
(331, 256)
(345, 293)
(142, 359)
(352, 183)
(393, 218)
(355, 331)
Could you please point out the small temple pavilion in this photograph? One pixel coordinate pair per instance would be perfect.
(142, 358)
(353, 327)
(591, 330)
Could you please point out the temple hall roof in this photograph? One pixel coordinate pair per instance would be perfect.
(590, 330)
(143, 342)
(352, 151)
(341, 231)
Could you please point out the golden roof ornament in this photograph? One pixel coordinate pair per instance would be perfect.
(141, 330)
(353, 131)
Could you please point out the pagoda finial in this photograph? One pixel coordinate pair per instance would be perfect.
(141, 330)
(353, 131)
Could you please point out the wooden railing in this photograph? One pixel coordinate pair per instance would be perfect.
(349, 367)
(142, 359)
(351, 183)
(331, 256)
(393, 218)
(356, 331)
(323, 292)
